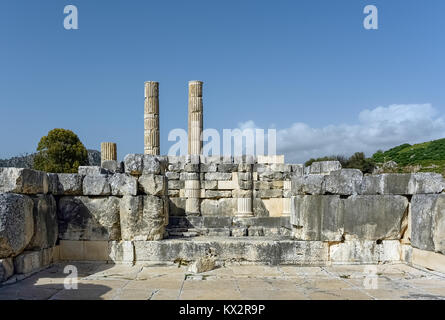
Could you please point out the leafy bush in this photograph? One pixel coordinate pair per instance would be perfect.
(60, 152)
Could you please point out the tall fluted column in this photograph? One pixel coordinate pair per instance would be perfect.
(108, 151)
(195, 119)
(151, 118)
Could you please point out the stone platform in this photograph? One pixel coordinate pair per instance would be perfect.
(234, 282)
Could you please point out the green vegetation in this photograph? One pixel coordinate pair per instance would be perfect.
(60, 152)
(422, 157)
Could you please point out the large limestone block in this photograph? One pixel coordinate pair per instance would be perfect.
(428, 222)
(123, 184)
(143, 218)
(97, 185)
(375, 217)
(28, 261)
(403, 183)
(220, 207)
(324, 167)
(46, 227)
(343, 182)
(365, 252)
(19, 180)
(152, 184)
(91, 170)
(16, 223)
(84, 218)
(308, 184)
(317, 217)
(67, 184)
(121, 251)
(137, 164)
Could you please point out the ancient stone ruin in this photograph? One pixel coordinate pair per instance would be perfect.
(247, 209)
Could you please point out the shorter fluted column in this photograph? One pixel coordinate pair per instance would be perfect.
(286, 200)
(108, 151)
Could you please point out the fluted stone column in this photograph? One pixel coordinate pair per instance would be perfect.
(108, 151)
(193, 194)
(195, 118)
(244, 207)
(151, 118)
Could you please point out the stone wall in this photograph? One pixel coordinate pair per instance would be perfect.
(252, 209)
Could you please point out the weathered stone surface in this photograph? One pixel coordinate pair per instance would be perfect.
(269, 193)
(123, 184)
(142, 218)
(324, 167)
(19, 180)
(216, 194)
(221, 207)
(403, 184)
(317, 217)
(121, 251)
(113, 166)
(227, 167)
(97, 185)
(84, 218)
(297, 169)
(6, 269)
(91, 170)
(28, 261)
(16, 223)
(343, 182)
(428, 222)
(219, 176)
(137, 164)
(375, 217)
(309, 184)
(172, 175)
(191, 167)
(68, 184)
(241, 193)
(248, 249)
(45, 223)
(203, 264)
(189, 176)
(175, 184)
(365, 252)
(152, 184)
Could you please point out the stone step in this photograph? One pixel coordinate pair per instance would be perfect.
(270, 250)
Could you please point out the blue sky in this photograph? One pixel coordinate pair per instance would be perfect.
(307, 68)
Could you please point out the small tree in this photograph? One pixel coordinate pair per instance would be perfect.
(60, 152)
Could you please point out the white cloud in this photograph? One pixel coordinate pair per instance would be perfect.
(380, 128)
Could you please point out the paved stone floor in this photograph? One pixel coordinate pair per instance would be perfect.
(105, 281)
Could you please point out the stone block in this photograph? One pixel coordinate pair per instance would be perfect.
(123, 184)
(309, 184)
(137, 164)
(227, 167)
(227, 185)
(121, 251)
(324, 167)
(68, 184)
(428, 259)
(274, 206)
(97, 185)
(216, 194)
(170, 175)
(270, 193)
(16, 223)
(238, 193)
(246, 176)
(209, 184)
(297, 170)
(28, 261)
(6, 269)
(255, 231)
(219, 176)
(190, 167)
(46, 227)
(91, 170)
(244, 167)
(317, 217)
(175, 184)
(365, 252)
(142, 218)
(27, 181)
(375, 217)
(208, 167)
(177, 206)
(238, 232)
(152, 184)
(189, 176)
(84, 218)
(95, 251)
(113, 166)
(428, 222)
(343, 182)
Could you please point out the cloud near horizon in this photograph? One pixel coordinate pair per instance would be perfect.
(377, 129)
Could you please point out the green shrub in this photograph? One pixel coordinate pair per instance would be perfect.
(60, 151)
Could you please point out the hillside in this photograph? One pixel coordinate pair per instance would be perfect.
(422, 157)
(26, 161)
